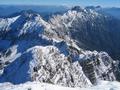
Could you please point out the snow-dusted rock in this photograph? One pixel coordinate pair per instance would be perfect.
(45, 64)
(98, 66)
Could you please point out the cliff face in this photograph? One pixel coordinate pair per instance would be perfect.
(99, 66)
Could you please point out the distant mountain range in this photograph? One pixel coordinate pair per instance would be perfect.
(114, 11)
(6, 10)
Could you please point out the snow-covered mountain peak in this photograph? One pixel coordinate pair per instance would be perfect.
(26, 22)
(28, 14)
(73, 15)
(56, 51)
(6, 22)
(85, 10)
(77, 8)
(63, 25)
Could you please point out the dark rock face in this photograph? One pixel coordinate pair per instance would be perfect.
(98, 34)
(99, 67)
(91, 30)
(96, 65)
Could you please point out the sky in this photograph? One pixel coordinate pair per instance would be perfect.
(104, 3)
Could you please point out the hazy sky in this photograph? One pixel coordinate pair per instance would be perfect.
(106, 3)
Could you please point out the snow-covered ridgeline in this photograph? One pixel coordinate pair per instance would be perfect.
(45, 64)
(47, 52)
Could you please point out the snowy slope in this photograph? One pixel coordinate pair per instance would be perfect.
(103, 85)
(45, 64)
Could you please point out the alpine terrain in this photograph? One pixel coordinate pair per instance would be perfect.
(75, 49)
